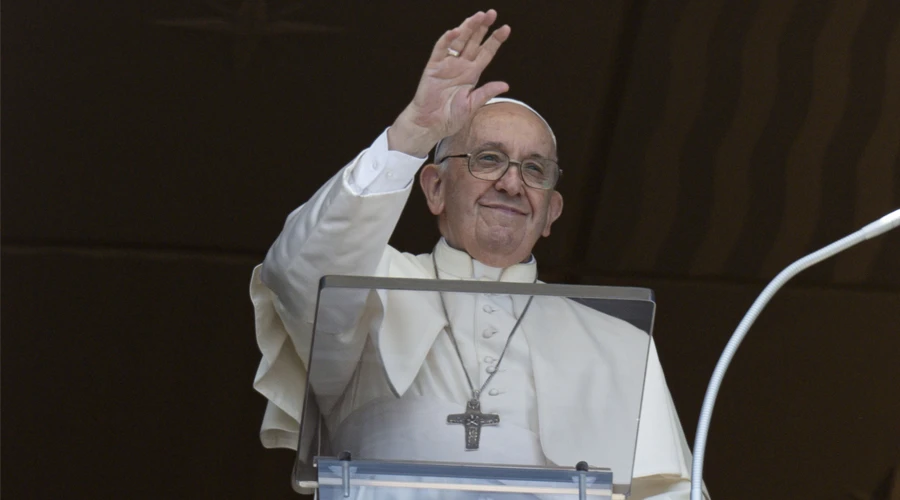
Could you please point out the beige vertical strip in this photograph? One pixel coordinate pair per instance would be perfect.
(803, 172)
(874, 172)
(684, 100)
(759, 86)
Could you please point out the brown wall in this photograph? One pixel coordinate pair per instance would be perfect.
(706, 145)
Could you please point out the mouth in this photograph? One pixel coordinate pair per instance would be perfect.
(503, 208)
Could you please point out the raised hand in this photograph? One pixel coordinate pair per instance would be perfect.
(447, 96)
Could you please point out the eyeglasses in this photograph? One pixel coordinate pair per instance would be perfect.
(539, 173)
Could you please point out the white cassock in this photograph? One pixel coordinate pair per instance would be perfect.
(344, 230)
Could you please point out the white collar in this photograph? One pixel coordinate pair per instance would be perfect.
(461, 265)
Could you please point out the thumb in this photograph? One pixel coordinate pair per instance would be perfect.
(486, 92)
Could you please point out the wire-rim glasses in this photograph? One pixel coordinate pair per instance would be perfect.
(490, 165)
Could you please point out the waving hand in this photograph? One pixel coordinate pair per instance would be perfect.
(448, 95)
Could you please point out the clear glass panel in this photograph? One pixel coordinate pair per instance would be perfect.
(389, 381)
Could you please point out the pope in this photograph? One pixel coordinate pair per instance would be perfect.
(453, 361)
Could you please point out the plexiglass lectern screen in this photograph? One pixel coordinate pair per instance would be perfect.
(439, 372)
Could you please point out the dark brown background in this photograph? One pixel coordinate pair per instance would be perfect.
(706, 144)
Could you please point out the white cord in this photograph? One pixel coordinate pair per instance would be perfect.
(882, 225)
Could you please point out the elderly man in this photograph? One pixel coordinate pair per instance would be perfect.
(492, 191)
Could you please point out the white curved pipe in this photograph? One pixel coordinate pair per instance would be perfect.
(882, 225)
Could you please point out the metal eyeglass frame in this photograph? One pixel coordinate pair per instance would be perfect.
(509, 162)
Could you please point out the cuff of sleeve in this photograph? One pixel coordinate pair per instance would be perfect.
(380, 170)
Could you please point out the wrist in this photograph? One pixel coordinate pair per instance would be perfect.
(405, 136)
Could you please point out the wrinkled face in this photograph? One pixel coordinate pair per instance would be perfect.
(496, 222)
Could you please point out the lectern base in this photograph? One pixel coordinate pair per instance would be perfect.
(374, 479)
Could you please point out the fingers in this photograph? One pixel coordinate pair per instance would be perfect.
(443, 43)
(465, 40)
(467, 29)
(473, 43)
(486, 92)
(492, 45)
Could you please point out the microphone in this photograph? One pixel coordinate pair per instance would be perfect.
(879, 227)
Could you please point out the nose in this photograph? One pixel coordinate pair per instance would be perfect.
(511, 182)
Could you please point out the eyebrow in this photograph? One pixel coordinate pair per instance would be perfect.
(502, 147)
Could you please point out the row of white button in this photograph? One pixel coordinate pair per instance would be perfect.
(488, 333)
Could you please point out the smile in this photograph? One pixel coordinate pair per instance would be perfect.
(504, 208)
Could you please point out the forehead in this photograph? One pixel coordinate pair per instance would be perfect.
(517, 129)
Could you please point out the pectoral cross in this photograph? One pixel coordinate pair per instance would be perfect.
(473, 419)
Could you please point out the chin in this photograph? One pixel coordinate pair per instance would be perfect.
(501, 248)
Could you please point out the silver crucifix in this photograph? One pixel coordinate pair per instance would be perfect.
(473, 419)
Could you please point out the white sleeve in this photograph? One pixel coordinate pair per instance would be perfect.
(381, 170)
(336, 232)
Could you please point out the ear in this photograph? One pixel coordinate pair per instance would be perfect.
(433, 187)
(553, 212)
